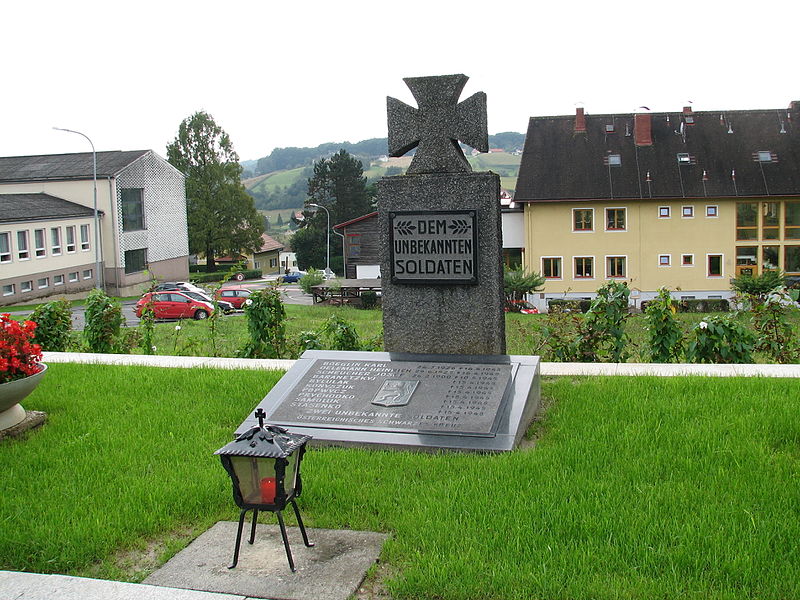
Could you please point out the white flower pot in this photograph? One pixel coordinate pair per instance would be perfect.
(12, 393)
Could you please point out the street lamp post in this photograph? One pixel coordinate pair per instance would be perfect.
(328, 240)
(97, 277)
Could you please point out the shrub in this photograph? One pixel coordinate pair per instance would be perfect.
(369, 299)
(517, 283)
(603, 334)
(53, 326)
(759, 286)
(665, 335)
(341, 334)
(721, 340)
(564, 305)
(310, 279)
(775, 335)
(103, 321)
(704, 305)
(266, 324)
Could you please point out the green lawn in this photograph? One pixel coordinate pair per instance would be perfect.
(637, 487)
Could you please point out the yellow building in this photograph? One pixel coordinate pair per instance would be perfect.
(685, 200)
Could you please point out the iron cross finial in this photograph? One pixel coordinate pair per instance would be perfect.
(438, 124)
(261, 415)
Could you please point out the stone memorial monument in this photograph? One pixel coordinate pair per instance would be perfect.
(445, 382)
(441, 249)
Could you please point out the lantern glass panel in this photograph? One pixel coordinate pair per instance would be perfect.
(256, 479)
(290, 482)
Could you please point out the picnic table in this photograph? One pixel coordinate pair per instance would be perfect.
(343, 291)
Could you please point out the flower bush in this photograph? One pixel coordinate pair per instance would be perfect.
(19, 356)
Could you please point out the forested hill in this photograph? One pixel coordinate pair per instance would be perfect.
(282, 159)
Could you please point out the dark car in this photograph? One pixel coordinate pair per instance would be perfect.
(237, 296)
(174, 305)
(293, 277)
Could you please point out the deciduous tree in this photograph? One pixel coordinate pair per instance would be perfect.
(221, 216)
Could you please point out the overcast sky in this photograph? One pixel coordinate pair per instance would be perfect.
(302, 72)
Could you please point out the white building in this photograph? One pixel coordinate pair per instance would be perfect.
(47, 225)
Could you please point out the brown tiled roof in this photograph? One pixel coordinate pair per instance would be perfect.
(269, 244)
(559, 163)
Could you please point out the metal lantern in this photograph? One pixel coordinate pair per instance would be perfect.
(264, 465)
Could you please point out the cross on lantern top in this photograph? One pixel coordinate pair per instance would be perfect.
(438, 124)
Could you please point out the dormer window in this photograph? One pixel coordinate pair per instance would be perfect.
(610, 128)
(765, 156)
(614, 160)
(684, 158)
(689, 119)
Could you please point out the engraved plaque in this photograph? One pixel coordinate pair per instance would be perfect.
(433, 247)
(404, 396)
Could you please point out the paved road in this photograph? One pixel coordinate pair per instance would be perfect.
(291, 294)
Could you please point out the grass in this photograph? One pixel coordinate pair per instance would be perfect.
(637, 487)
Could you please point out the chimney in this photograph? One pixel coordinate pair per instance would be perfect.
(687, 110)
(580, 120)
(642, 130)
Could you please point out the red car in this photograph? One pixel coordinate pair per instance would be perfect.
(174, 305)
(235, 295)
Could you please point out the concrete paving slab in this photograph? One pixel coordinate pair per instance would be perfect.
(331, 570)
(35, 586)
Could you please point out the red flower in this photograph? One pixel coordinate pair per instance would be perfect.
(18, 356)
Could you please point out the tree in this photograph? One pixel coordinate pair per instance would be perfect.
(221, 216)
(518, 282)
(339, 185)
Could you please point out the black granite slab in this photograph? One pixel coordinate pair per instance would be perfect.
(415, 401)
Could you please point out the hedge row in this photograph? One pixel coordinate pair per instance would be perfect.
(706, 305)
(220, 275)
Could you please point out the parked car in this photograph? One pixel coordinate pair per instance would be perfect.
(521, 306)
(235, 295)
(225, 307)
(292, 277)
(174, 305)
(183, 286)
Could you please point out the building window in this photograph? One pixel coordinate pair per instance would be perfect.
(353, 245)
(687, 212)
(551, 267)
(132, 209)
(8, 289)
(791, 221)
(687, 260)
(771, 220)
(87, 274)
(26, 286)
(22, 245)
(135, 261)
(712, 211)
(664, 260)
(663, 212)
(684, 158)
(39, 243)
(71, 238)
(43, 282)
(746, 260)
(615, 219)
(84, 237)
(584, 267)
(714, 265)
(614, 160)
(55, 241)
(582, 219)
(747, 220)
(769, 258)
(615, 267)
(58, 280)
(5, 247)
(791, 259)
(73, 277)
(273, 262)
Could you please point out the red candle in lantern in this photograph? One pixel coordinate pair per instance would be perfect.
(268, 490)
